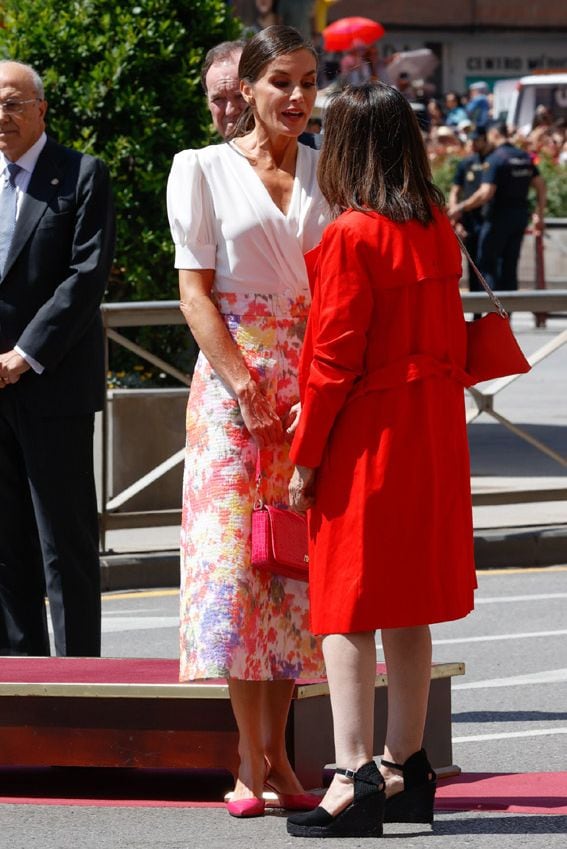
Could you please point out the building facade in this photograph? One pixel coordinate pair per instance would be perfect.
(474, 40)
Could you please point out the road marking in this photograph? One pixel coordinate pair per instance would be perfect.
(535, 732)
(139, 623)
(114, 596)
(135, 623)
(508, 599)
(492, 638)
(552, 676)
(489, 638)
(140, 594)
(520, 571)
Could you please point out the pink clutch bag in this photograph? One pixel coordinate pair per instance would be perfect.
(279, 542)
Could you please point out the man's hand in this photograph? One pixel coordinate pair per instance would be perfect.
(12, 366)
(538, 224)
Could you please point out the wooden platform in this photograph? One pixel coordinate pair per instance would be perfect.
(134, 713)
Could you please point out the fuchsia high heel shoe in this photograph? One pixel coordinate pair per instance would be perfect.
(242, 808)
(295, 801)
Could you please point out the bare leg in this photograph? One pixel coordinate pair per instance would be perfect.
(261, 709)
(246, 699)
(277, 698)
(408, 659)
(351, 669)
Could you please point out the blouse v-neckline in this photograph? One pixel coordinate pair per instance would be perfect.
(287, 215)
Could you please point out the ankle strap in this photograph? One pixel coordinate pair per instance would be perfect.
(416, 769)
(391, 764)
(367, 773)
(348, 773)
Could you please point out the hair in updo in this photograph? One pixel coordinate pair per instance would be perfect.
(262, 49)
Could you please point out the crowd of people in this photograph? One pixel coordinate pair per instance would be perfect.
(451, 124)
(449, 121)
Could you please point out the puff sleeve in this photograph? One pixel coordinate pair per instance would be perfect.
(338, 324)
(191, 213)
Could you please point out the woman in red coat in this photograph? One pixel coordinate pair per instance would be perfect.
(381, 452)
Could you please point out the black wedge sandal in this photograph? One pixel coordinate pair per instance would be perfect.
(415, 802)
(362, 818)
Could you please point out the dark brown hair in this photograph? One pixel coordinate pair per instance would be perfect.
(220, 53)
(373, 155)
(264, 47)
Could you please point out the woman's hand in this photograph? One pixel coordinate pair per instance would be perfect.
(302, 489)
(260, 418)
(292, 420)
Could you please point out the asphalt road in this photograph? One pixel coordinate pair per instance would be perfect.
(509, 713)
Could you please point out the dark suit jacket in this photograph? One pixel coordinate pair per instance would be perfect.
(54, 280)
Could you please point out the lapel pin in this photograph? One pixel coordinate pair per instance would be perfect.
(55, 182)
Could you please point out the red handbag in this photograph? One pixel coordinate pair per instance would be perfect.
(492, 348)
(279, 538)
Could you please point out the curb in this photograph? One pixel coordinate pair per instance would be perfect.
(139, 571)
(530, 547)
(499, 548)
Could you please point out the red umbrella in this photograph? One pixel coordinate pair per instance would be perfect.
(350, 32)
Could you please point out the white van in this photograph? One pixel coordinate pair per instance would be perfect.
(502, 95)
(537, 90)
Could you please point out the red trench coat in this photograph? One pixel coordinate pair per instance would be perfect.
(383, 419)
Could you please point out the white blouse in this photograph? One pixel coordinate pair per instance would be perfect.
(222, 217)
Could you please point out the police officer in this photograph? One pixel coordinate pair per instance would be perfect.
(504, 190)
(467, 180)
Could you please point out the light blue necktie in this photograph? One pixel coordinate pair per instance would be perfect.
(8, 197)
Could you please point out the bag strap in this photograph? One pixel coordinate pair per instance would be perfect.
(495, 302)
(259, 499)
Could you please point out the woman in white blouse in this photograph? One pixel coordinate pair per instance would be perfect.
(242, 215)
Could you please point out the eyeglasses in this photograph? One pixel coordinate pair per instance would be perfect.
(16, 107)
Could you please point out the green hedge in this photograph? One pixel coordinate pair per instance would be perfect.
(555, 177)
(122, 82)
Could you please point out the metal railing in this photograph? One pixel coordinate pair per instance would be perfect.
(540, 281)
(539, 303)
(136, 314)
(543, 302)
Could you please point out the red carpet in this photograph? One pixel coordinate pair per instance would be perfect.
(106, 670)
(514, 793)
(89, 670)
(529, 793)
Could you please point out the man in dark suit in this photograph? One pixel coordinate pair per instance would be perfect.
(56, 248)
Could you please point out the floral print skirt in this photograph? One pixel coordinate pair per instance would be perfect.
(236, 621)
